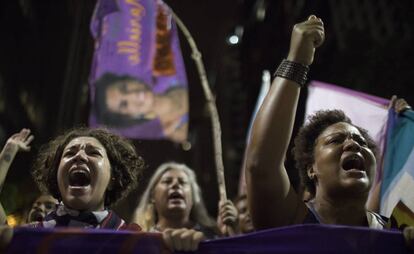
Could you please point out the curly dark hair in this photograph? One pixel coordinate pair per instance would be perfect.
(126, 165)
(303, 150)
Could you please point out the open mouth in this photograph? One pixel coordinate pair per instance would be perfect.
(175, 196)
(37, 216)
(79, 178)
(353, 161)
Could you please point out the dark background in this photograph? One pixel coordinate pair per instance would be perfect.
(46, 51)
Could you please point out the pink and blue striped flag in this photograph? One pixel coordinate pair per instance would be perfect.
(366, 111)
(394, 135)
(397, 189)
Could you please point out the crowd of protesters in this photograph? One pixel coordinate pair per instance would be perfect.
(84, 172)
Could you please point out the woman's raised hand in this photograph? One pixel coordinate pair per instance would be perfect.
(306, 36)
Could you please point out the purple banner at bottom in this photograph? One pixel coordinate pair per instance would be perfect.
(295, 239)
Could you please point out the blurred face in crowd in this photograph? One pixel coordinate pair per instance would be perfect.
(245, 222)
(130, 98)
(172, 194)
(342, 160)
(43, 205)
(84, 173)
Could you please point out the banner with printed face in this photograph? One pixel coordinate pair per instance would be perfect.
(138, 84)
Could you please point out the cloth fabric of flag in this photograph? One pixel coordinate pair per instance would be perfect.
(138, 84)
(366, 111)
(294, 239)
(397, 195)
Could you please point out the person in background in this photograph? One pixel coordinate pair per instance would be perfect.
(173, 199)
(17, 142)
(21, 142)
(228, 218)
(336, 159)
(42, 206)
(88, 171)
(244, 218)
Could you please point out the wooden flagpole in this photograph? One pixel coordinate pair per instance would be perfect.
(210, 100)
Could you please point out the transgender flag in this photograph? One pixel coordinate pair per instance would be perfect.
(138, 84)
(366, 111)
(395, 137)
(397, 192)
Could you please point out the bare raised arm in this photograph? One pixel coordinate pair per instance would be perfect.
(272, 200)
(17, 142)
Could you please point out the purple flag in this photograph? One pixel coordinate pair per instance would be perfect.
(138, 84)
(295, 239)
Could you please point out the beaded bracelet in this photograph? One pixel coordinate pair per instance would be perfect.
(296, 72)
